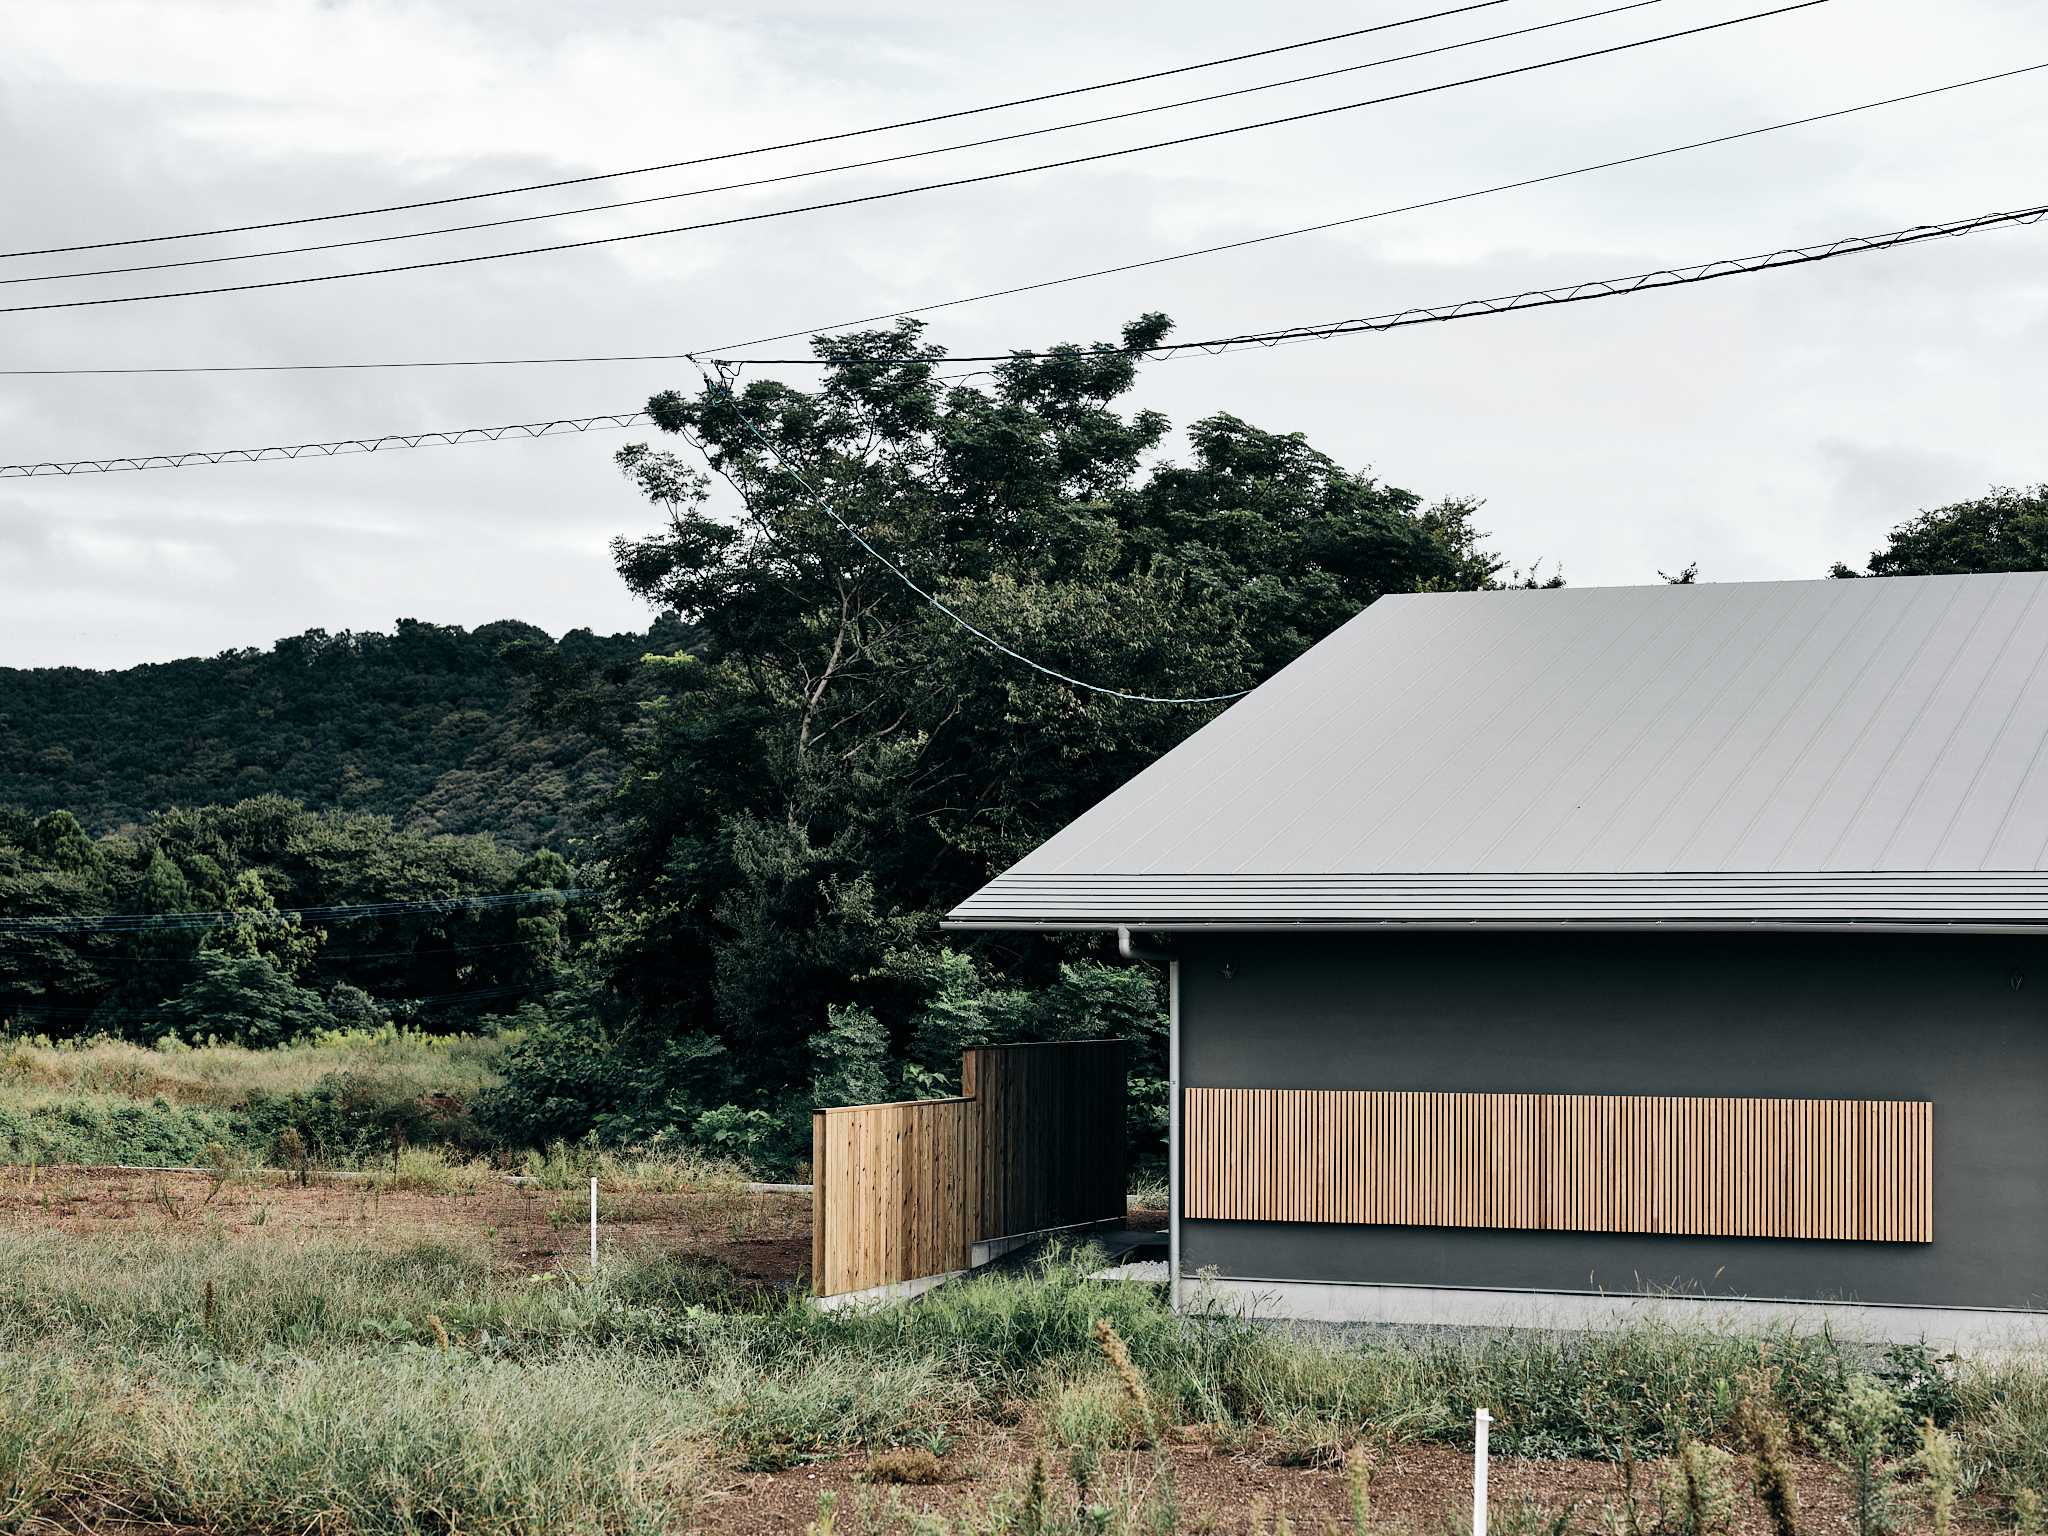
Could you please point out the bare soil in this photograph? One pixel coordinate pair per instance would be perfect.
(765, 1239)
(1421, 1490)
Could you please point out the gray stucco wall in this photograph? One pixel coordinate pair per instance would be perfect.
(1835, 1016)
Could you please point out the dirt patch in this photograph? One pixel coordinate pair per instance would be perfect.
(1239, 1490)
(763, 1238)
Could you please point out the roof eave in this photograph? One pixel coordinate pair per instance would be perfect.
(1500, 925)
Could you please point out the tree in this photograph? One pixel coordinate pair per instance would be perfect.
(837, 760)
(2004, 531)
(257, 930)
(245, 999)
(153, 962)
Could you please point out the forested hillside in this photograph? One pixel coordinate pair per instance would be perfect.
(425, 725)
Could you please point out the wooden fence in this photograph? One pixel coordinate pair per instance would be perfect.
(1053, 1133)
(896, 1192)
(1720, 1167)
(903, 1191)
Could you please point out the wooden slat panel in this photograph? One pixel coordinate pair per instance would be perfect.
(1843, 1169)
(902, 1191)
(894, 1192)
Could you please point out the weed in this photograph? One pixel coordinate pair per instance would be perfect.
(1696, 1490)
(1859, 1435)
(1358, 1483)
(221, 1166)
(1938, 1463)
(1763, 1431)
(1148, 1193)
(904, 1464)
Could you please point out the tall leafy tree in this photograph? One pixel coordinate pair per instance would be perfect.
(2006, 530)
(838, 760)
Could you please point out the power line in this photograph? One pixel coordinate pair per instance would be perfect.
(1534, 298)
(1469, 309)
(326, 450)
(29, 1012)
(829, 170)
(348, 956)
(1234, 245)
(901, 192)
(1313, 229)
(150, 922)
(765, 149)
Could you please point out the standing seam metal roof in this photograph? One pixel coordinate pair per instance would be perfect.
(1823, 740)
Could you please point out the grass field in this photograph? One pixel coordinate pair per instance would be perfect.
(424, 1349)
(427, 1352)
(352, 1097)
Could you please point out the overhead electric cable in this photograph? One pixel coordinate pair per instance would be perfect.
(765, 149)
(150, 922)
(900, 192)
(1054, 282)
(326, 450)
(724, 392)
(1535, 298)
(827, 170)
(1314, 229)
(32, 1011)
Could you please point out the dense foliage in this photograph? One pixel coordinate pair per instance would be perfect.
(424, 725)
(270, 976)
(838, 761)
(2004, 531)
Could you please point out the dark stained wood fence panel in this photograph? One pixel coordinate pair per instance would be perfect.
(1053, 1133)
(1564, 1162)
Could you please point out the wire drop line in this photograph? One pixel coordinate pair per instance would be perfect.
(765, 149)
(1235, 245)
(246, 917)
(1469, 309)
(827, 170)
(720, 391)
(902, 192)
(329, 450)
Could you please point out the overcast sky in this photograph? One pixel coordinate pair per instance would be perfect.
(1763, 426)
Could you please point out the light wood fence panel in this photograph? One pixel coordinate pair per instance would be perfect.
(903, 1191)
(1564, 1162)
(896, 1192)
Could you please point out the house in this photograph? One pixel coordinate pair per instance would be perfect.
(1537, 952)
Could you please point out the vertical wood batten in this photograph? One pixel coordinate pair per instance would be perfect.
(1585, 1163)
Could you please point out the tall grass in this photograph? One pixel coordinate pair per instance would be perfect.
(350, 1093)
(400, 1386)
(225, 1076)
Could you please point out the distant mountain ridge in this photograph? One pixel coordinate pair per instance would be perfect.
(424, 724)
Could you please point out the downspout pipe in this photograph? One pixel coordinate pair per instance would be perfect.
(1135, 953)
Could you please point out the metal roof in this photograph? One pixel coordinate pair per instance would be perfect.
(1817, 753)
